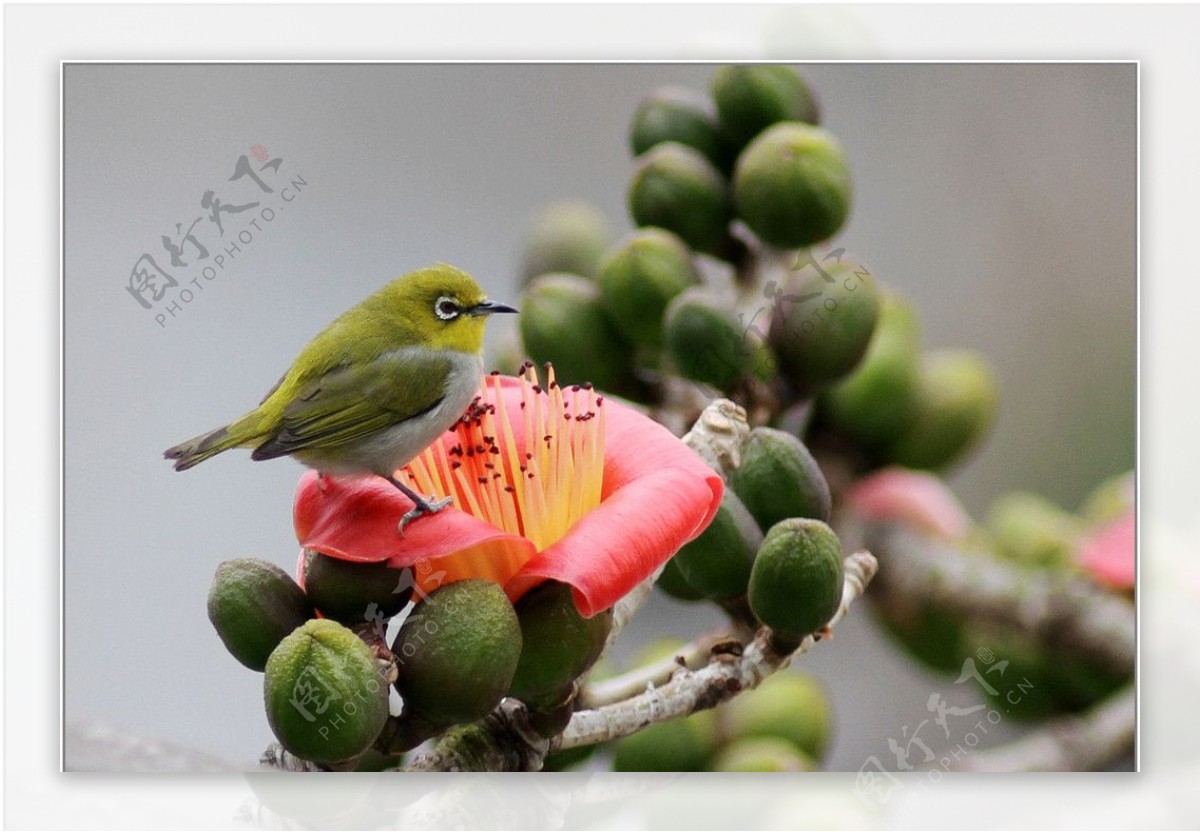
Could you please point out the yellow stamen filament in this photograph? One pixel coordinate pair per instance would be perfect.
(538, 487)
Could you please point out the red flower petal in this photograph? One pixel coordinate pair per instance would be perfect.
(1110, 553)
(633, 532)
(356, 519)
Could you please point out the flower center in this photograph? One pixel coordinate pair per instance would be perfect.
(534, 478)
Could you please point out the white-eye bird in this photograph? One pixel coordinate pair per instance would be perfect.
(375, 388)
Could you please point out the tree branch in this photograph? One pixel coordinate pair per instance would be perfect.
(692, 656)
(726, 675)
(1061, 612)
(1078, 743)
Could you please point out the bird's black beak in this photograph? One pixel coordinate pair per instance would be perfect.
(490, 307)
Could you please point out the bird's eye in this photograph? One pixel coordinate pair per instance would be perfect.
(446, 309)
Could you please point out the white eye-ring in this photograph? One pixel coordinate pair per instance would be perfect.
(446, 308)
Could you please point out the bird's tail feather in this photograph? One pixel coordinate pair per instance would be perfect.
(199, 448)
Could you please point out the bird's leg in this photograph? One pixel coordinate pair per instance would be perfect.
(421, 505)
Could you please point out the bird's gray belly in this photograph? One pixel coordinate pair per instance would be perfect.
(391, 448)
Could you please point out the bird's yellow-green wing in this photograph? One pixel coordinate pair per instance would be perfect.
(351, 402)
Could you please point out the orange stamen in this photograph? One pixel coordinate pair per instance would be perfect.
(539, 492)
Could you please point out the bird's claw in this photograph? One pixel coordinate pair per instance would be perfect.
(427, 506)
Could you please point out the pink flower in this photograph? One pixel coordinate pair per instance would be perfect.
(1109, 553)
(548, 484)
(912, 497)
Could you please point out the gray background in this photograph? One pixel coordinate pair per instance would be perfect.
(1001, 198)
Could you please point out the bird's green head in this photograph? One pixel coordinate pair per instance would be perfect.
(444, 306)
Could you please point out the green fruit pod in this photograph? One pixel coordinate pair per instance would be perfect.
(675, 187)
(956, 405)
(558, 645)
(796, 583)
(717, 563)
(253, 605)
(685, 744)
(640, 277)
(566, 237)
(791, 185)
(778, 478)
(1111, 499)
(822, 325)
(672, 582)
(325, 699)
(792, 707)
(1033, 531)
(563, 323)
(762, 754)
(930, 634)
(353, 593)
(750, 99)
(457, 652)
(672, 114)
(704, 340)
(878, 401)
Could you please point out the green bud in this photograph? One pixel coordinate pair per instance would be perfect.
(509, 354)
(876, 402)
(355, 592)
(1079, 683)
(678, 115)
(762, 754)
(569, 759)
(552, 720)
(639, 278)
(931, 635)
(704, 340)
(672, 582)
(1031, 530)
(685, 744)
(1029, 667)
(791, 185)
(822, 337)
(718, 562)
(457, 652)
(675, 187)
(558, 644)
(324, 696)
(567, 237)
(253, 605)
(1110, 499)
(796, 583)
(956, 405)
(787, 706)
(563, 322)
(750, 99)
(778, 478)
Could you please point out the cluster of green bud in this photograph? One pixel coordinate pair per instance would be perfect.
(325, 691)
(459, 651)
(748, 152)
(906, 407)
(782, 725)
(768, 555)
